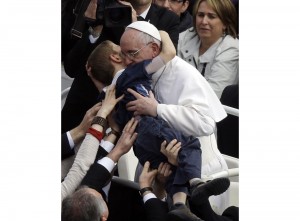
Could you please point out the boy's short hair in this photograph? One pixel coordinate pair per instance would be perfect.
(101, 67)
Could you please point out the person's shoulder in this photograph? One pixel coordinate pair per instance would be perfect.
(229, 41)
(229, 47)
(188, 35)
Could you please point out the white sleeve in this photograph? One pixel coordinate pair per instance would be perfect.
(187, 119)
(106, 145)
(92, 39)
(70, 139)
(148, 196)
(156, 64)
(108, 163)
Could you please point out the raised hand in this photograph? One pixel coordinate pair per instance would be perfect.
(171, 151)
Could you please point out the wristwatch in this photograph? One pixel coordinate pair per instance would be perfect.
(99, 120)
(145, 189)
(116, 133)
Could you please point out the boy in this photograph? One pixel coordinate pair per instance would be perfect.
(106, 62)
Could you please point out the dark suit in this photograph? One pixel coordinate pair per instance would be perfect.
(83, 94)
(66, 150)
(156, 210)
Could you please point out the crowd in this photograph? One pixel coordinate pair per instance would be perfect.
(153, 85)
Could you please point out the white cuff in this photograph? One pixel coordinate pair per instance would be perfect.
(107, 163)
(70, 139)
(148, 196)
(106, 145)
(92, 39)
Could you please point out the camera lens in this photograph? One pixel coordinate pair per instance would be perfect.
(116, 15)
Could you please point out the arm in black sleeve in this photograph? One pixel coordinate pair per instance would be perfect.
(76, 59)
(156, 210)
(97, 177)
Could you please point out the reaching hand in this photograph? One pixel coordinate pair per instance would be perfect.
(109, 101)
(79, 132)
(163, 172)
(171, 151)
(142, 105)
(125, 142)
(89, 116)
(147, 176)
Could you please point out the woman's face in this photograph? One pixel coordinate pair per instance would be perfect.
(208, 25)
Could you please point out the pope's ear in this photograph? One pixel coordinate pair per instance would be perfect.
(156, 49)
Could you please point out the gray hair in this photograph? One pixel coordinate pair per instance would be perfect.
(82, 205)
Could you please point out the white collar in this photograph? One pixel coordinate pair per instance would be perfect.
(144, 14)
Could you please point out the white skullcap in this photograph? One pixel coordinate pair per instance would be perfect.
(146, 27)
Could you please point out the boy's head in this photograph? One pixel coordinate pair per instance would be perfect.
(105, 60)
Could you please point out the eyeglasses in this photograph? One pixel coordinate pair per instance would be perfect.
(131, 55)
(170, 1)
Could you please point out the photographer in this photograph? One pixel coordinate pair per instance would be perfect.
(83, 94)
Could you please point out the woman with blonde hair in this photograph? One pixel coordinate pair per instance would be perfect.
(211, 45)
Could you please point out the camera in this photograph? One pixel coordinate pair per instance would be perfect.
(109, 13)
(113, 14)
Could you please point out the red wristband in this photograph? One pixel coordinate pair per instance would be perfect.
(95, 133)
